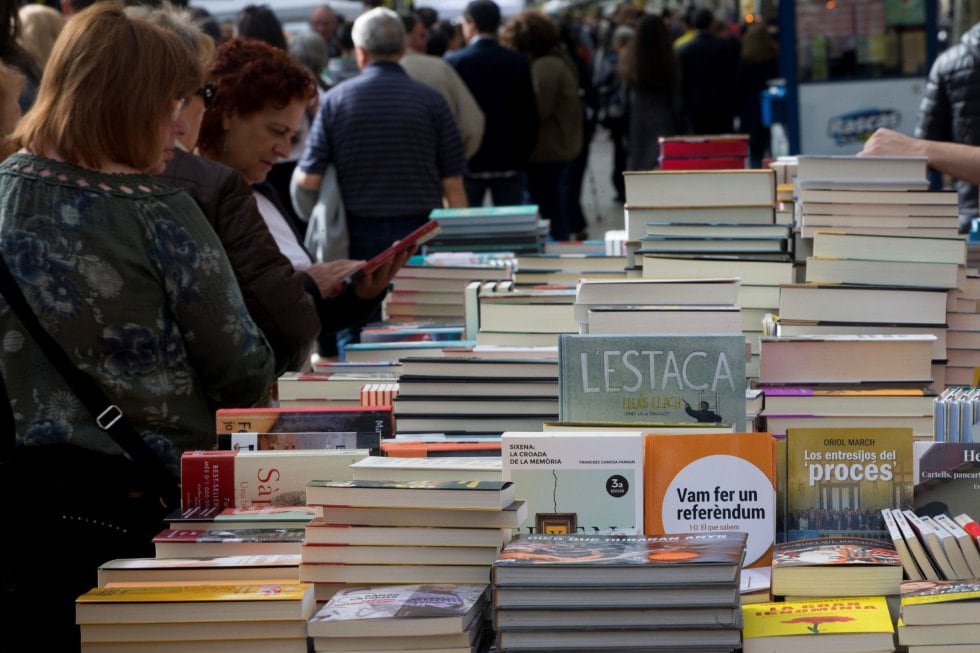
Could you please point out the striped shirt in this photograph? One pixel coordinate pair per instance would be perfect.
(392, 140)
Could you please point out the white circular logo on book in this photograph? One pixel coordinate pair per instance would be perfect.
(719, 494)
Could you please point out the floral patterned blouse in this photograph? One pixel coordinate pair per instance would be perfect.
(131, 281)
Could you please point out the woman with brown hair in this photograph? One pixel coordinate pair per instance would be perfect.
(536, 36)
(129, 280)
(649, 70)
(261, 96)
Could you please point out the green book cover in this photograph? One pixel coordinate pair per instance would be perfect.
(652, 378)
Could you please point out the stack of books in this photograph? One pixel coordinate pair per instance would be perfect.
(318, 389)
(478, 392)
(658, 306)
(392, 618)
(676, 592)
(417, 531)
(567, 269)
(881, 379)
(940, 616)
(489, 229)
(715, 152)
(856, 624)
(824, 309)
(703, 213)
(528, 317)
(229, 618)
(871, 195)
(887, 260)
(435, 292)
(963, 333)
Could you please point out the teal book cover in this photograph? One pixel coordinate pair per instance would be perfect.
(671, 378)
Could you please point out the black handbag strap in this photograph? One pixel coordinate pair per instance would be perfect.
(107, 415)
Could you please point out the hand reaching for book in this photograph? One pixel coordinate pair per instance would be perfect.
(329, 274)
(375, 282)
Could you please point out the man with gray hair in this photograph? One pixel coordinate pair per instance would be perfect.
(392, 140)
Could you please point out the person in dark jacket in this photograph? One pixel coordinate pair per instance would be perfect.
(708, 78)
(950, 109)
(758, 63)
(500, 80)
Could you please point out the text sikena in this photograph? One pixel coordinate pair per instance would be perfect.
(632, 370)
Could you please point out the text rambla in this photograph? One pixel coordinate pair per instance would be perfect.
(631, 370)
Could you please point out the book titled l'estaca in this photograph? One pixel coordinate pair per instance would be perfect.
(402, 610)
(533, 560)
(677, 378)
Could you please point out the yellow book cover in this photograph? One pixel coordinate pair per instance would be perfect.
(839, 479)
(809, 620)
(713, 483)
(295, 591)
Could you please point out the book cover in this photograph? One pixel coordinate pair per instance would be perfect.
(839, 479)
(344, 419)
(534, 560)
(399, 610)
(652, 378)
(835, 551)
(947, 477)
(841, 624)
(224, 479)
(169, 603)
(835, 566)
(940, 602)
(713, 483)
(577, 481)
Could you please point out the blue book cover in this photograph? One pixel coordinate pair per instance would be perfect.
(671, 378)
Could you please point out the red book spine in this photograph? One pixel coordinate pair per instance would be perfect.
(973, 529)
(207, 479)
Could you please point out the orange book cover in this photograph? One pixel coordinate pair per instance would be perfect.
(713, 483)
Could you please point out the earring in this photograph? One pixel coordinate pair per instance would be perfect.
(224, 146)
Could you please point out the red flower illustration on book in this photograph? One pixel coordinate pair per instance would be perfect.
(816, 621)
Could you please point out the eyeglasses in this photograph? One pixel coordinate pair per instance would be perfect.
(208, 93)
(178, 106)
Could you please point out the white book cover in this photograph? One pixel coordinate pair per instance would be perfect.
(585, 482)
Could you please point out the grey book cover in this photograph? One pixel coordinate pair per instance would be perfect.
(670, 378)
